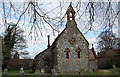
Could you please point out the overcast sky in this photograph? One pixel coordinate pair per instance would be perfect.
(35, 47)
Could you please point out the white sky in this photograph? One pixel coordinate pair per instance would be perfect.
(35, 47)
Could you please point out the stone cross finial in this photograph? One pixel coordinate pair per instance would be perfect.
(92, 48)
(92, 45)
(71, 3)
(48, 40)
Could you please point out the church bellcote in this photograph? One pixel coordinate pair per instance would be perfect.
(70, 13)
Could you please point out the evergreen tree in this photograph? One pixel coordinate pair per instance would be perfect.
(13, 41)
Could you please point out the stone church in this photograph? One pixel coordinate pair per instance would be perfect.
(70, 51)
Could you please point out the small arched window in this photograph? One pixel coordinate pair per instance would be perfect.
(71, 16)
(78, 51)
(67, 53)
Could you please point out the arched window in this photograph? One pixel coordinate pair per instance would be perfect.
(71, 16)
(78, 54)
(78, 51)
(67, 53)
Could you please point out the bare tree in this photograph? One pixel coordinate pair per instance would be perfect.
(107, 40)
(103, 13)
(14, 41)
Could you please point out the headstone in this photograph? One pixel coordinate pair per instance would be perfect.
(37, 72)
(42, 71)
(5, 71)
(114, 66)
(0, 56)
(21, 71)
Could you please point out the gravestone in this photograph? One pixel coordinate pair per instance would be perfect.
(114, 66)
(5, 71)
(37, 72)
(42, 71)
(21, 71)
(0, 56)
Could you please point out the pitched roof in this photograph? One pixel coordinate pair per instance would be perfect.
(54, 43)
(83, 36)
(92, 54)
(109, 53)
(46, 50)
(70, 8)
(58, 37)
(63, 32)
(93, 51)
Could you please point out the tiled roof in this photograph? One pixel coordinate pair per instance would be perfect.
(108, 53)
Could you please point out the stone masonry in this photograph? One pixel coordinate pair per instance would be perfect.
(69, 53)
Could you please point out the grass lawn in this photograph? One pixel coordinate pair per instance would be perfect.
(99, 72)
(105, 72)
(17, 72)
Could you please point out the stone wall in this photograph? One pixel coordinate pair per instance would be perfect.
(73, 65)
(50, 55)
(0, 56)
(108, 62)
(41, 62)
(18, 63)
(93, 65)
(106, 59)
